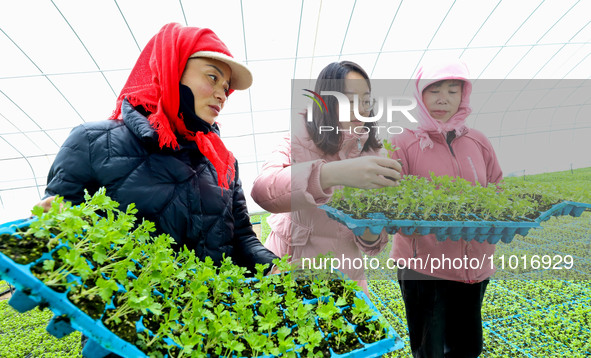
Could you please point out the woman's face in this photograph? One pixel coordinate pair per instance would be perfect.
(356, 84)
(443, 99)
(209, 80)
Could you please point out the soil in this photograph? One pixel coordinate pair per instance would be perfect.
(349, 343)
(367, 336)
(255, 324)
(294, 330)
(336, 287)
(22, 250)
(323, 347)
(251, 286)
(152, 322)
(279, 289)
(173, 351)
(247, 352)
(92, 306)
(126, 328)
(305, 292)
(228, 299)
(38, 271)
(444, 217)
(284, 322)
(322, 325)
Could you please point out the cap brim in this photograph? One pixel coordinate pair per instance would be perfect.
(241, 78)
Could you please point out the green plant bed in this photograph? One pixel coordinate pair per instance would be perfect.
(392, 298)
(527, 339)
(585, 287)
(24, 335)
(389, 302)
(562, 330)
(502, 303)
(106, 274)
(495, 346)
(568, 275)
(553, 292)
(397, 322)
(3, 286)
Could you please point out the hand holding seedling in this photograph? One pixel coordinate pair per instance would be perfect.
(368, 237)
(46, 203)
(363, 173)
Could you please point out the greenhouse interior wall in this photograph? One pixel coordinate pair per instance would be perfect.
(63, 63)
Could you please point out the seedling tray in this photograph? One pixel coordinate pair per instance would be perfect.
(565, 208)
(479, 230)
(376, 349)
(32, 292)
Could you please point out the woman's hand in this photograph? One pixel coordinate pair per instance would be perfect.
(46, 203)
(368, 237)
(369, 172)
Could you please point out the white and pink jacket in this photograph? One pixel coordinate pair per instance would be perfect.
(289, 187)
(470, 156)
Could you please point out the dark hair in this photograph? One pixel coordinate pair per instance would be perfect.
(331, 78)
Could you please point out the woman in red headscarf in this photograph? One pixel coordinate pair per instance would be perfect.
(161, 148)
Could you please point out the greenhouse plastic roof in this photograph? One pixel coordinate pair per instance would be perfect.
(64, 62)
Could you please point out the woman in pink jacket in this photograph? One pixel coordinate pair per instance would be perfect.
(443, 306)
(305, 169)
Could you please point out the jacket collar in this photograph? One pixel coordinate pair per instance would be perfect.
(352, 145)
(139, 125)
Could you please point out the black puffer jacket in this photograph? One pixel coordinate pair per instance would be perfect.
(176, 189)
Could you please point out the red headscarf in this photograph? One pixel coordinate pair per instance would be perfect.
(154, 84)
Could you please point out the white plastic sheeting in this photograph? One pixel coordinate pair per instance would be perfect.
(62, 63)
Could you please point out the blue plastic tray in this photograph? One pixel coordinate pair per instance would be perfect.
(376, 349)
(490, 231)
(565, 208)
(30, 292)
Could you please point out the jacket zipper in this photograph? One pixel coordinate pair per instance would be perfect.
(455, 160)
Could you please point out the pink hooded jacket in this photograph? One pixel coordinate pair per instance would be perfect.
(291, 190)
(470, 155)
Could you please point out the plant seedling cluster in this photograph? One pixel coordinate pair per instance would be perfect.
(170, 303)
(444, 198)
